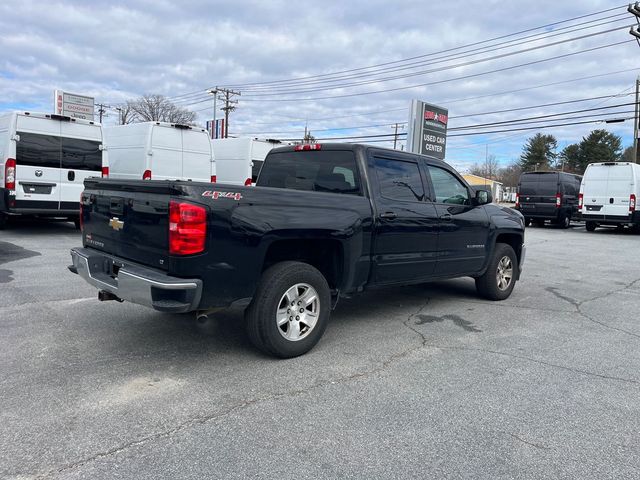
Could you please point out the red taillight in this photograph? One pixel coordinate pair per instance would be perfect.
(517, 200)
(214, 178)
(247, 182)
(187, 228)
(146, 175)
(580, 201)
(81, 214)
(632, 203)
(307, 146)
(105, 172)
(558, 200)
(10, 174)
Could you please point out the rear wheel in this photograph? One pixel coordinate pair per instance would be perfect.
(564, 221)
(500, 277)
(4, 219)
(539, 222)
(290, 310)
(527, 222)
(76, 223)
(591, 226)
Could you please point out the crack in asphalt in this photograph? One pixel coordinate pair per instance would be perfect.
(534, 360)
(520, 439)
(242, 405)
(578, 305)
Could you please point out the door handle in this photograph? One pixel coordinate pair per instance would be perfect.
(388, 215)
(71, 175)
(446, 217)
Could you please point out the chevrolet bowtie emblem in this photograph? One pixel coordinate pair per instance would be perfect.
(116, 224)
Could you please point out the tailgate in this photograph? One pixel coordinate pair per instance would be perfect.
(128, 219)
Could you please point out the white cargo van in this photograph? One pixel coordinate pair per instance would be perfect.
(609, 195)
(159, 151)
(44, 160)
(238, 160)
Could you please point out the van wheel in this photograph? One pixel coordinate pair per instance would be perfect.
(539, 222)
(76, 223)
(290, 309)
(4, 219)
(527, 222)
(591, 226)
(498, 281)
(565, 221)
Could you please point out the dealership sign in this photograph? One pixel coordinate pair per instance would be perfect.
(72, 105)
(427, 133)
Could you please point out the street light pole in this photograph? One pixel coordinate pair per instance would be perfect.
(635, 122)
(214, 92)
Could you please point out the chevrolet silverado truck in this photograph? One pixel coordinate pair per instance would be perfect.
(324, 221)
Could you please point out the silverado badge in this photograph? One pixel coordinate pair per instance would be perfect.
(116, 224)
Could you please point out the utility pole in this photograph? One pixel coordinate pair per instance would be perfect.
(635, 122)
(229, 106)
(101, 109)
(395, 136)
(214, 92)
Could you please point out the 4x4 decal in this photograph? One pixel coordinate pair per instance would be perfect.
(216, 195)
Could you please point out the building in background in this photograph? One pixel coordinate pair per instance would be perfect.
(477, 181)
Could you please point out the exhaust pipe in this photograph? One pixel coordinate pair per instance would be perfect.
(201, 319)
(105, 296)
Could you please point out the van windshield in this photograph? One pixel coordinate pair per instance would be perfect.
(58, 152)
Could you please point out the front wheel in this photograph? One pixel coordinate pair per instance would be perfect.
(290, 309)
(498, 281)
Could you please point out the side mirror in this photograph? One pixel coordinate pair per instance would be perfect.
(483, 197)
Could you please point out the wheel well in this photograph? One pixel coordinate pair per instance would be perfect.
(512, 239)
(325, 255)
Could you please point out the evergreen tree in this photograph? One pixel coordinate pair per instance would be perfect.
(599, 146)
(539, 153)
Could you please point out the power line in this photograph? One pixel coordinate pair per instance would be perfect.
(437, 82)
(247, 85)
(244, 85)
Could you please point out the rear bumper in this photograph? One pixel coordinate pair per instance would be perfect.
(136, 283)
(612, 219)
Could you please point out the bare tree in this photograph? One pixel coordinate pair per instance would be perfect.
(157, 108)
(510, 175)
(125, 114)
(487, 169)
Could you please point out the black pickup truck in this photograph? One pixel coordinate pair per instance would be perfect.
(324, 221)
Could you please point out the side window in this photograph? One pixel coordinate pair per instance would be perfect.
(399, 180)
(38, 150)
(447, 188)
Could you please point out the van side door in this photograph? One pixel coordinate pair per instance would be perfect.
(406, 224)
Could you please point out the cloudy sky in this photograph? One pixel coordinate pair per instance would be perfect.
(345, 69)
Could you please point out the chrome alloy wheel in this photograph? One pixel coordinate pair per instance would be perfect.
(504, 274)
(298, 312)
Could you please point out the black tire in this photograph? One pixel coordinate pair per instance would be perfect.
(564, 221)
(620, 228)
(591, 226)
(487, 285)
(4, 219)
(76, 223)
(527, 222)
(261, 315)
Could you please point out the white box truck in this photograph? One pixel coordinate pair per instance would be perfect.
(609, 195)
(44, 159)
(159, 151)
(238, 160)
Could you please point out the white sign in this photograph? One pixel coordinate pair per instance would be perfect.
(72, 105)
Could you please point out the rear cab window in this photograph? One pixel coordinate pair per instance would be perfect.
(333, 171)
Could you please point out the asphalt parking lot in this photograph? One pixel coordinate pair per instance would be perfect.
(426, 381)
